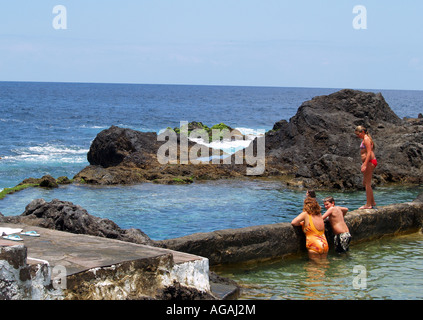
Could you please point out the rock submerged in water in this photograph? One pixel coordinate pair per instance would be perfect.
(316, 148)
(46, 181)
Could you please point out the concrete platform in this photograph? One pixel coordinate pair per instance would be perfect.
(82, 252)
(85, 255)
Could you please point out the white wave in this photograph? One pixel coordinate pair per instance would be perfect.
(12, 120)
(51, 149)
(48, 153)
(136, 128)
(232, 146)
(93, 127)
(251, 132)
(225, 145)
(45, 159)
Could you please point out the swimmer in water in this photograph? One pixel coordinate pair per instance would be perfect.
(313, 226)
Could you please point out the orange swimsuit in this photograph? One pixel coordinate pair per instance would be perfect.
(315, 240)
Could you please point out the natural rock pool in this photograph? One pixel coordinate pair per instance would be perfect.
(392, 265)
(170, 211)
(388, 268)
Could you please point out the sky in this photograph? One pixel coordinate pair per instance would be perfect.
(302, 43)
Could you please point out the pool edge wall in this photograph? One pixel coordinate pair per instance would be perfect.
(280, 239)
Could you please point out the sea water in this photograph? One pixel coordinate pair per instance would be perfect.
(171, 211)
(387, 268)
(47, 128)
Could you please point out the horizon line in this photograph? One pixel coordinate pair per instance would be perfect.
(203, 85)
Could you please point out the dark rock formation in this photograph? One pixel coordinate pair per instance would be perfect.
(115, 145)
(65, 216)
(46, 181)
(318, 146)
(125, 156)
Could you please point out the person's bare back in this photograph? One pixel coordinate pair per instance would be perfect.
(340, 229)
(336, 217)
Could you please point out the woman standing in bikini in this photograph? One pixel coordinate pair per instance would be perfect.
(369, 161)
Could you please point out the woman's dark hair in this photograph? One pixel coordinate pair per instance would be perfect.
(311, 193)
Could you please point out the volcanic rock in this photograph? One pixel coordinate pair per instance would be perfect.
(65, 216)
(319, 149)
(316, 148)
(125, 156)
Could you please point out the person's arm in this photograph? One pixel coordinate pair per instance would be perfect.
(298, 219)
(344, 210)
(327, 213)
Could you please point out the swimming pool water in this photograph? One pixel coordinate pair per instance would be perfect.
(388, 268)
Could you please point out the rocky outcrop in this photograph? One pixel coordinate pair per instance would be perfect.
(125, 156)
(46, 181)
(317, 148)
(115, 145)
(65, 216)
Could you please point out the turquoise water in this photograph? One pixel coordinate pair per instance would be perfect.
(47, 128)
(388, 268)
(393, 266)
(170, 211)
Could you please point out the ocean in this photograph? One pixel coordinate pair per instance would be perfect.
(47, 128)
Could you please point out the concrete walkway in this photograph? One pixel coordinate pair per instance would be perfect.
(79, 252)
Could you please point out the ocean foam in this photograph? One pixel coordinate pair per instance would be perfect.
(48, 154)
(51, 149)
(229, 146)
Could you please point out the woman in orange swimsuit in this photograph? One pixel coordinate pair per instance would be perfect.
(369, 161)
(314, 228)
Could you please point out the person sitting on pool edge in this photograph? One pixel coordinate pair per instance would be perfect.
(340, 229)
